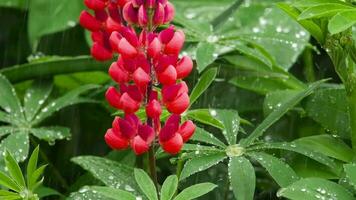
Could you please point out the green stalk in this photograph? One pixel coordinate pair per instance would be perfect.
(309, 72)
(352, 110)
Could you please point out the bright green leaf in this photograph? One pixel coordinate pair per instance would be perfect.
(112, 193)
(205, 116)
(205, 55)
(146, 184)
(242, 178)
(205, 80)
(169, 187)
(323, 10)
(32, 165)
(231, 121)
(203, 136)
(14, 169)
(8, 182)
(342, 21)
(195, 191)
(50, 134)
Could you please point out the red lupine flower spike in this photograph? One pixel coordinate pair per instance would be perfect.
(130, 13)
(168, 76)
(173, 145)
(184, 67)
(115, 141)
(169, 13)
(118, 73)
(95, 4)
(139, 145)
(176, 43)
(142, 16)
(100, 52)
(159, 15)
(187, 130)
(89, 22)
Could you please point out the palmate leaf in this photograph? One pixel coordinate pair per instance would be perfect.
(195, 191)
(279, 112)
(242, 178)
(205, 55)
(111, 173)
(201, 163)
(14, 170)
(87, 192)
(315, 189)
(17, 144)
(294, 147)
(112, 193)
(146, 184)
(70, 98)
(36, 96)
(282, 173)
(8, 99)
(350, 171)
(231, 121)
(169, 187)
(50, 134)
(201, 135)
(205, 116)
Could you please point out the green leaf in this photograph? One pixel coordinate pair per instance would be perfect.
(36, 96)
(203, 136)
(328, 146)
(327, 107)
(231, 121)
(8, 99)
(71, 98)
(273, 100)
(205, 55)
(54, 66)
(35, 176)
(113, 193)
(17, 144)
(315, 189)
(111, 173)
(199, 164)
(309, 25)
(146, 184)
(87, 192)
(226, 14)
(323, 10)
(281, 172)
(242, 178)
(14, 169)
(342, 21)
(4, 130)
(32, 165)
(311, 3)
(350, 171)
(205, 116)
(7, 182)
(169, 187)
(43, 191)
(195, 191)
(62, 14)
(295, 147)
(205, 80)
(50, 134)
(279, 112)
(20, 4)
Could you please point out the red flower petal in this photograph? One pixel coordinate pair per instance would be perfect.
(141, 78)
(187, 130)
(179, 105)
(126, 129)
(171, 92)
(126, 49)
(174, 145)
(154, 48)
(95, 4)
(112, 25)
(169, 13)
(168, 76)
(176, 43)
(101, 53)
(128, 104)
(166, 35)
(142, 16)
(114, 141)
(130, 13)
(89, 22)
(153, 109)
(113, 97)
(139, 146)
(146, 133)
(159, 15)
(118, 73)
(184, 67)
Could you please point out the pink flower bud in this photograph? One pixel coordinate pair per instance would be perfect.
(95, 4)
(146, 133)
(139, 146)
(153, 109)
(184, 67)
(112, 25)
(113, 97)
(168, 76)
(127, 130)
(97, 36)
(187, 130)
(89, 22)
(118, 73)
(126, 49)
(141, 78)
(154, 48)
(101, 53)
(114, 40)
(130, 35)
(169, 13)
(142, 16)
(130, 13)
(159, 15)
(166, 35)
(128, 104)
(171, 92)
(176, 43)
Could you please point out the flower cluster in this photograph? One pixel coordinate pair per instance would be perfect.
(147, 59)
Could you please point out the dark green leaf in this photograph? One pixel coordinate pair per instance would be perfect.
(43, 191)
(205, 80)
(203, 136)
(281, 172)
(205, 55)
(279, 112)
(195, 191)
(112, 193)
(35, 97)
(50, 134)
(8, 99)
(315, 189)
(350, 171)
(224, 16)
(146, 184)
(199, 164)
(242, 178)
(205, 116)
(169, 187)
(17, 144)
(231, 121)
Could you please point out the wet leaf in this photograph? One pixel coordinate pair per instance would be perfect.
(231, 121)
(169, 187)
(195, 191)
(201, 135)
(205, 116)
(17, 144)
(242, 178)
(205, 81)
(51, 134)
(146, 184)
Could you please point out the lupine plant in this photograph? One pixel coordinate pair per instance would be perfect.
(178, 99)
